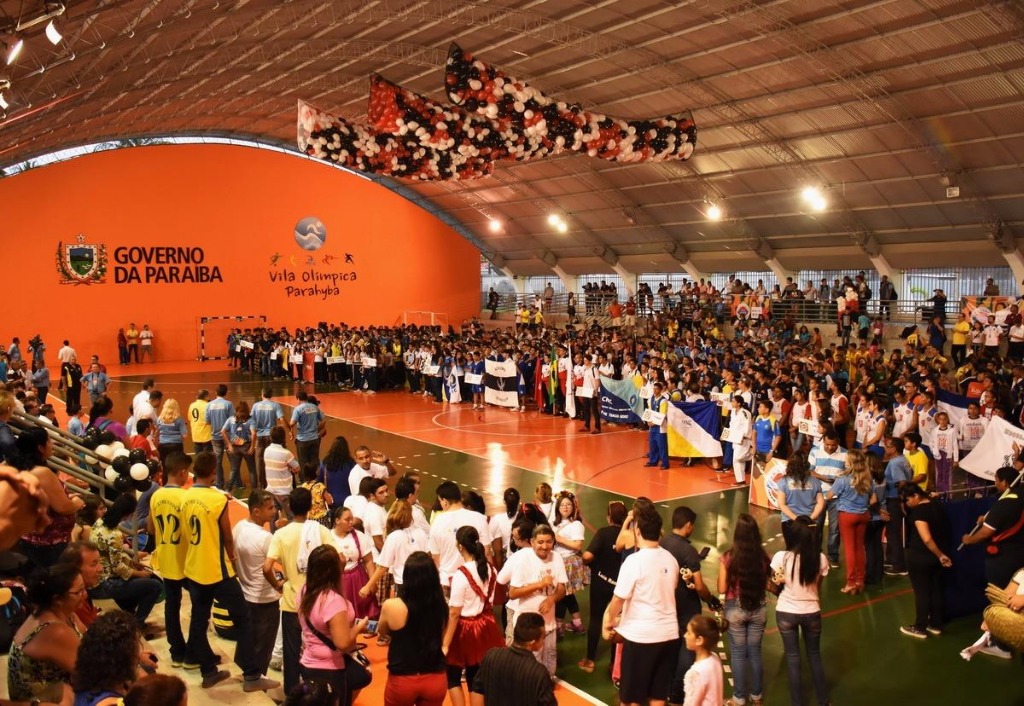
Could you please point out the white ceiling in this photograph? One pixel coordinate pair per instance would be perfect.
(878, 102)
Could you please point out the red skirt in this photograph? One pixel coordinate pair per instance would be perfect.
(473, 637)
(351, 582)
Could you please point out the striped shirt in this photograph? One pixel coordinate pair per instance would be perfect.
(827, 465)
(278, 462)
(512, 676)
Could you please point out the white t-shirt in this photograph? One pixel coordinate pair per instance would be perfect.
(647, 583)
(1018, 578)
(278, 462)
(500, 525)
(398, 546)
(346, 547)
(570, 531)
(356, 503)
(442, 537)
(143, 410)
(992, 334)
(505, 575)
(795, 597)
(463, 596)
(357, 474)
(971, 431)
(530, 569)
(375, 519)
(146, 337)
(137, 401)
(251, 545)
(702, 682)
(419, 519)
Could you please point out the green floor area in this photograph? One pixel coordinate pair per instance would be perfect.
(867, 660)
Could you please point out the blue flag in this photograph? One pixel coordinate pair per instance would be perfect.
(620, 401)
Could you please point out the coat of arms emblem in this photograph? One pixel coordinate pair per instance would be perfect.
(81, 262)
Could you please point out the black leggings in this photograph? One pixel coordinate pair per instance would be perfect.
(454, 675)
(566, 607)
(600, 597)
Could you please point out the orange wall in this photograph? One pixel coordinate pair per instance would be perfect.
(241, 206)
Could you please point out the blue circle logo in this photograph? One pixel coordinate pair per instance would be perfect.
(310, 233)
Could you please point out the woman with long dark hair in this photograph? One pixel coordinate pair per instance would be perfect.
(32, 449)
(604, 562)
(99, 418)
(327, 625)
(43, 651)
(108, 660)
(334, 470)
(799, 570)
(799, 494)
(743, 579)
(416, 621)
(472, 629)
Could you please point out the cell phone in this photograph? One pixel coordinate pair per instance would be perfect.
(279, 576)
(703, 554)
(371, 626)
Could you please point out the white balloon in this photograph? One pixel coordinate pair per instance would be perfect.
(104, 451)
(139, 471)
(117, 446)
(110, 474)
(120, 452)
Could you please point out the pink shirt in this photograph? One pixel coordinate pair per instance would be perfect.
(703, 682)
(315, 654)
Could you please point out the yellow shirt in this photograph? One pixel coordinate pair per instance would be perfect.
(206, 561)
(170, 551)
(919, 465)
(201, 431)
(538, 318)
(132, 335)
(960, 332)
(284, 549)
(524, 317)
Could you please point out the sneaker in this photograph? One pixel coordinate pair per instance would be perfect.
(276, 664)
(996, 652)
(191, 666)
(894, 572)
(259, 684)
(833, 563)
(934, 631)
(214, 678)
(912, 631)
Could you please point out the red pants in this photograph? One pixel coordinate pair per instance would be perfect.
(852, 527)
(417, 690)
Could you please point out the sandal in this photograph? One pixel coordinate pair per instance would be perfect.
(586, 665)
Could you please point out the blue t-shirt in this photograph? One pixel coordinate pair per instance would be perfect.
(96, 383)
(218, 412)
(847, 498)
(265, 414)
(765, 431)
(307, 418)
(238, 430)
(172, 433)
(76, 426)
(800, 499)
(897, 471)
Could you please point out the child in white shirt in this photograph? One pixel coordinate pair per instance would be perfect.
(703, 681)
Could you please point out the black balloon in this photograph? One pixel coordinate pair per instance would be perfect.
(142, 485)
(136, 456)
(154, 466)
(107, 437)
(123, 484)
(122, 464)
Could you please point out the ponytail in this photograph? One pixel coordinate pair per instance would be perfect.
(469, 539)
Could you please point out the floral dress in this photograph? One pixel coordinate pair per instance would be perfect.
(28, 678)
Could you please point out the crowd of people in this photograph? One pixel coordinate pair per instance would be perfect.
(326, 557)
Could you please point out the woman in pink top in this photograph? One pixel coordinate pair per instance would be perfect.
(327, 628)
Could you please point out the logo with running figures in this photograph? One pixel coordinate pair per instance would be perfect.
(81, 262)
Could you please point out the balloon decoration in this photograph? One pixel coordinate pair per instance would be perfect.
(495, 117)
(488, 91)
(137, 456)
(139, 471)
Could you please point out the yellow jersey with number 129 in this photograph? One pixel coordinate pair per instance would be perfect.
(171, 544)
(206, 561)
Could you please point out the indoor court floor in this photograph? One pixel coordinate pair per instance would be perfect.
(866, 659)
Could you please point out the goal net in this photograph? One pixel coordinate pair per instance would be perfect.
(423, 318)
(213, 333)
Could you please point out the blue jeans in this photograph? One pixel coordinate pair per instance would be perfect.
(218, 452)
(790, 625)
(137, 595)
(746, 628)
(832, 510)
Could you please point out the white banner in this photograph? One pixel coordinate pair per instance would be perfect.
(500, 383)
(995, 449)
(474, 378)
(369, 362)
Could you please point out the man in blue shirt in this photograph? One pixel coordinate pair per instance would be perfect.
(217, 413)
(897, 470)
(266, 414)
(308, 425)
(827, 463)
(96, 382)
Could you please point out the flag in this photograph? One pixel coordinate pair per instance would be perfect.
(553, 376)
(995, 449)
(570, 392)
(693, 429)
(538, 382)
(954, 405)
(452, 389)
(620, 401)
(500, 383)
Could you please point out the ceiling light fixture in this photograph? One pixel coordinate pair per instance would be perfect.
(714, 212)
(554, 219)
(53, 34)
(494, 225)
(14, 50)
(563, 227)
(813, 197)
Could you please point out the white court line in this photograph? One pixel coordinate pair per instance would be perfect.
(580, 693)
